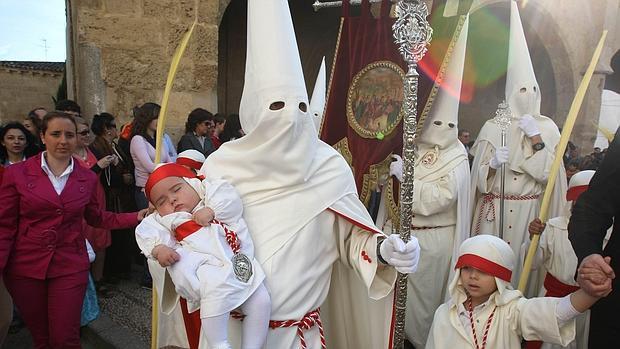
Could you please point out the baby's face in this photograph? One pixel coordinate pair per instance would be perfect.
(173, 194)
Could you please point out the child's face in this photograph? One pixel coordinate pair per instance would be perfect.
(478, 284)
(173, 194)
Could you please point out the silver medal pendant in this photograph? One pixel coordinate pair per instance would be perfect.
(242, 267)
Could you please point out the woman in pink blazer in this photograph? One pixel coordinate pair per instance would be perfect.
(43, 256)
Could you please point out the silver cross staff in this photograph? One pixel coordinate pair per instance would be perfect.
(412, 34)
(502, 119)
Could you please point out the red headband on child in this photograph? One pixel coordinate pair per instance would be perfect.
(165, 171)
(485, 265)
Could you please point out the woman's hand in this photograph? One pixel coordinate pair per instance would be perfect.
(143, 213)
(106, 161)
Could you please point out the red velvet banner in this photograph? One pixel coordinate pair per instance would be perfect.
(363, 117)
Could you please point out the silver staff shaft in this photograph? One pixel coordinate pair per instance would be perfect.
(328, 4)
(502, 192)
(503, 120)
(412, 34)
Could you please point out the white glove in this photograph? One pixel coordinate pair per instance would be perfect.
(528, 125)
(396, 167)
(500, 157)
(403, 257)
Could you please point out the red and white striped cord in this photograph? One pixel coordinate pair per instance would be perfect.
(488, 200)
(307, 322)
(231, 237)
(487, 326)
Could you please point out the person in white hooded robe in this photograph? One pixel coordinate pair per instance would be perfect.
(312, 235)
(528, 156)
(441, 197)
(485, 312)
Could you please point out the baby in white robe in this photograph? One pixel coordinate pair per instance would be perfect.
(209, 253)
(484, 310)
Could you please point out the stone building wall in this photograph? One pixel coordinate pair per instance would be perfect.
(119, 53)
(22, 90)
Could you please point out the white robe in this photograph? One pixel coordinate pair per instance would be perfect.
(532, 319)
(301, 286)
(215, 290)
(559, 259)
(441, 200)
(527, 172)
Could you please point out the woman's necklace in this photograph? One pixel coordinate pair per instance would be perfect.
(106, 174)
(487, 326)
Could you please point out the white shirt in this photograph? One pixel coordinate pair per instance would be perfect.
(201, 139)
(464, 314)
(58, 182)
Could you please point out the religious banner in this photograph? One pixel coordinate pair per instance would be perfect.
(363, 113)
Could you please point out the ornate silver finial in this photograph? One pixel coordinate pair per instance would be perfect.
(503, 116)
(412, 33)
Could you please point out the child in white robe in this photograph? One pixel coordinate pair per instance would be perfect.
(210, 252)
(556, 254)
(485, 312)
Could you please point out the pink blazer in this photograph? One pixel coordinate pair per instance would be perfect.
(40, 231)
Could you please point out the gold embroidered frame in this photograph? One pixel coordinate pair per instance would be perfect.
(365, 84)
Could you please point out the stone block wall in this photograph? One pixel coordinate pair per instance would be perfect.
(23, 90)
(119, 54)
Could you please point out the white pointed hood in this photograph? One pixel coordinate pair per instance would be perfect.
(522, 90)
(284, 174)
(441, 129)
(272, 66)
(317, 103)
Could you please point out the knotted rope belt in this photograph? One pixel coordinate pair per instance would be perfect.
(488, 204)
(309, 320)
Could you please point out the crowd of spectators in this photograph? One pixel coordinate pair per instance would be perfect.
(121, 157)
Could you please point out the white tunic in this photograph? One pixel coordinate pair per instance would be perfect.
(219, 290)
(527, 172)
(226, 204)
(532, 319)
(559, 259)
